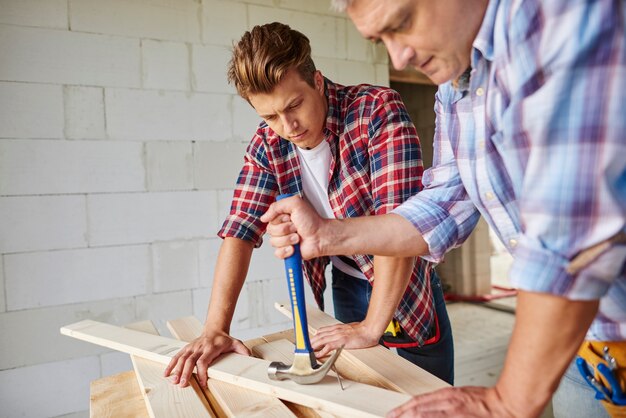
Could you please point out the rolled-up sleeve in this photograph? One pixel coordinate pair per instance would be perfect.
(442, 212)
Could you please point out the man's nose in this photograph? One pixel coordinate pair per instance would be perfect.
(290, 123)
(400, 54)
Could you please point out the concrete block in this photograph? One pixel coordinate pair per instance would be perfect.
(328, 66)
(3, 301)
(115, 362)
(241, 318)
(382, 74)
(209, 65)
(355, 72)
(76, 275)
(159, 308)
(55, 167)
(223, 22)
(265, 265)
(160, 19)
(274, 290)
(158, 115)
(381, 56)
(217, 164)
(84, 112)
(245, 120)
(62, 387)
(68, 57)
(317, 7)
(200, 302)
(78, 414)
(39, 13)
(32, 329)
(175, 265)
(165, 65)
(169, 165)
(358, 48)
(208, 250)
(224, 199)
(326, 33)
(30, 111)
(33, 223)
(146, 217)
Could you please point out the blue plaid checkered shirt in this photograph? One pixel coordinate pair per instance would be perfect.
(536, 144)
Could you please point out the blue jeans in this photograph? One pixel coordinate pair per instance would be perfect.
(575, 399)
(351, 298)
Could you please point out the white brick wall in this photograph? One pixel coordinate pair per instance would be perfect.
(30, 110)
(60, 388)
(84, 112)
(172, 115)
(31, 223)
(39, 13)
(169, 165)
(175, 265)
(120, 143)
(165, 65)
(53, 56)
(117, 219)
(77, 275)
(58, 167)
(3, 304)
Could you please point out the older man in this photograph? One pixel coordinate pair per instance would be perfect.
(530, 134)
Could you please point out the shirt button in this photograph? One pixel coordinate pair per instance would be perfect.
(480, 91)
(481, 144)
(489, 196)
(513, 242)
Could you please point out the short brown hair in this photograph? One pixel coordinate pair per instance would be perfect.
(265, 54)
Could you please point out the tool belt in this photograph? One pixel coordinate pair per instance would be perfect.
(394, 336)
(603, 365)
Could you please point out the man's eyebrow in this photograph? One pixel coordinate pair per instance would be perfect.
(289, 104)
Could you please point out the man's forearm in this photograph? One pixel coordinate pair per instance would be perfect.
(383, 235)
(230, 273)
(391, 277)
(548, 331)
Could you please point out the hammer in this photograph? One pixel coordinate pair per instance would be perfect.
(305, 370)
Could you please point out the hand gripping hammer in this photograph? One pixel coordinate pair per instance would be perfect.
(305, 370)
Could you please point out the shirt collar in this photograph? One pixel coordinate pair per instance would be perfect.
(334, 112)
(484, 42)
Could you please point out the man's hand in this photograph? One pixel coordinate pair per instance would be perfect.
(292, 221)
(201, 352)
(469, 401)
(353, 335)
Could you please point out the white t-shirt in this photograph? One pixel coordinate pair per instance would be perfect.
(314, 168)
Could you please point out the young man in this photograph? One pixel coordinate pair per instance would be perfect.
(350, 151)
(533, 138)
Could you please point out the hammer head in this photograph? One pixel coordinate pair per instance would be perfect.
(305, 370)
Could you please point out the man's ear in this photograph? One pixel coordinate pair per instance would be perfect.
(318, 78)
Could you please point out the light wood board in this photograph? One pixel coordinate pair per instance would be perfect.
(375, 365)
(116, 396)
(247, 372)
(164, 399)
(234, 401)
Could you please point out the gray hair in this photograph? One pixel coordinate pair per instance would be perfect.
(340, 5)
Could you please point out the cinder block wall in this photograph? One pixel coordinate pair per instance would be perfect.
(120, 142)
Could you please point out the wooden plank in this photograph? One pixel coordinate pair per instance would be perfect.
(116, 396)
(358, 400)
(375, 365)
(234, 401)
(163, 399)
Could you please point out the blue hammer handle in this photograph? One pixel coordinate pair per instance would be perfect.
(295, 283)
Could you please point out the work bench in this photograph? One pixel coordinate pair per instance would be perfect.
(375, 381)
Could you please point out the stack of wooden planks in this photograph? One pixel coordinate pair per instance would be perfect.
(375, 379)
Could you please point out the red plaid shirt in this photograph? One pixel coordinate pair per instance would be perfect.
(376, 165)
